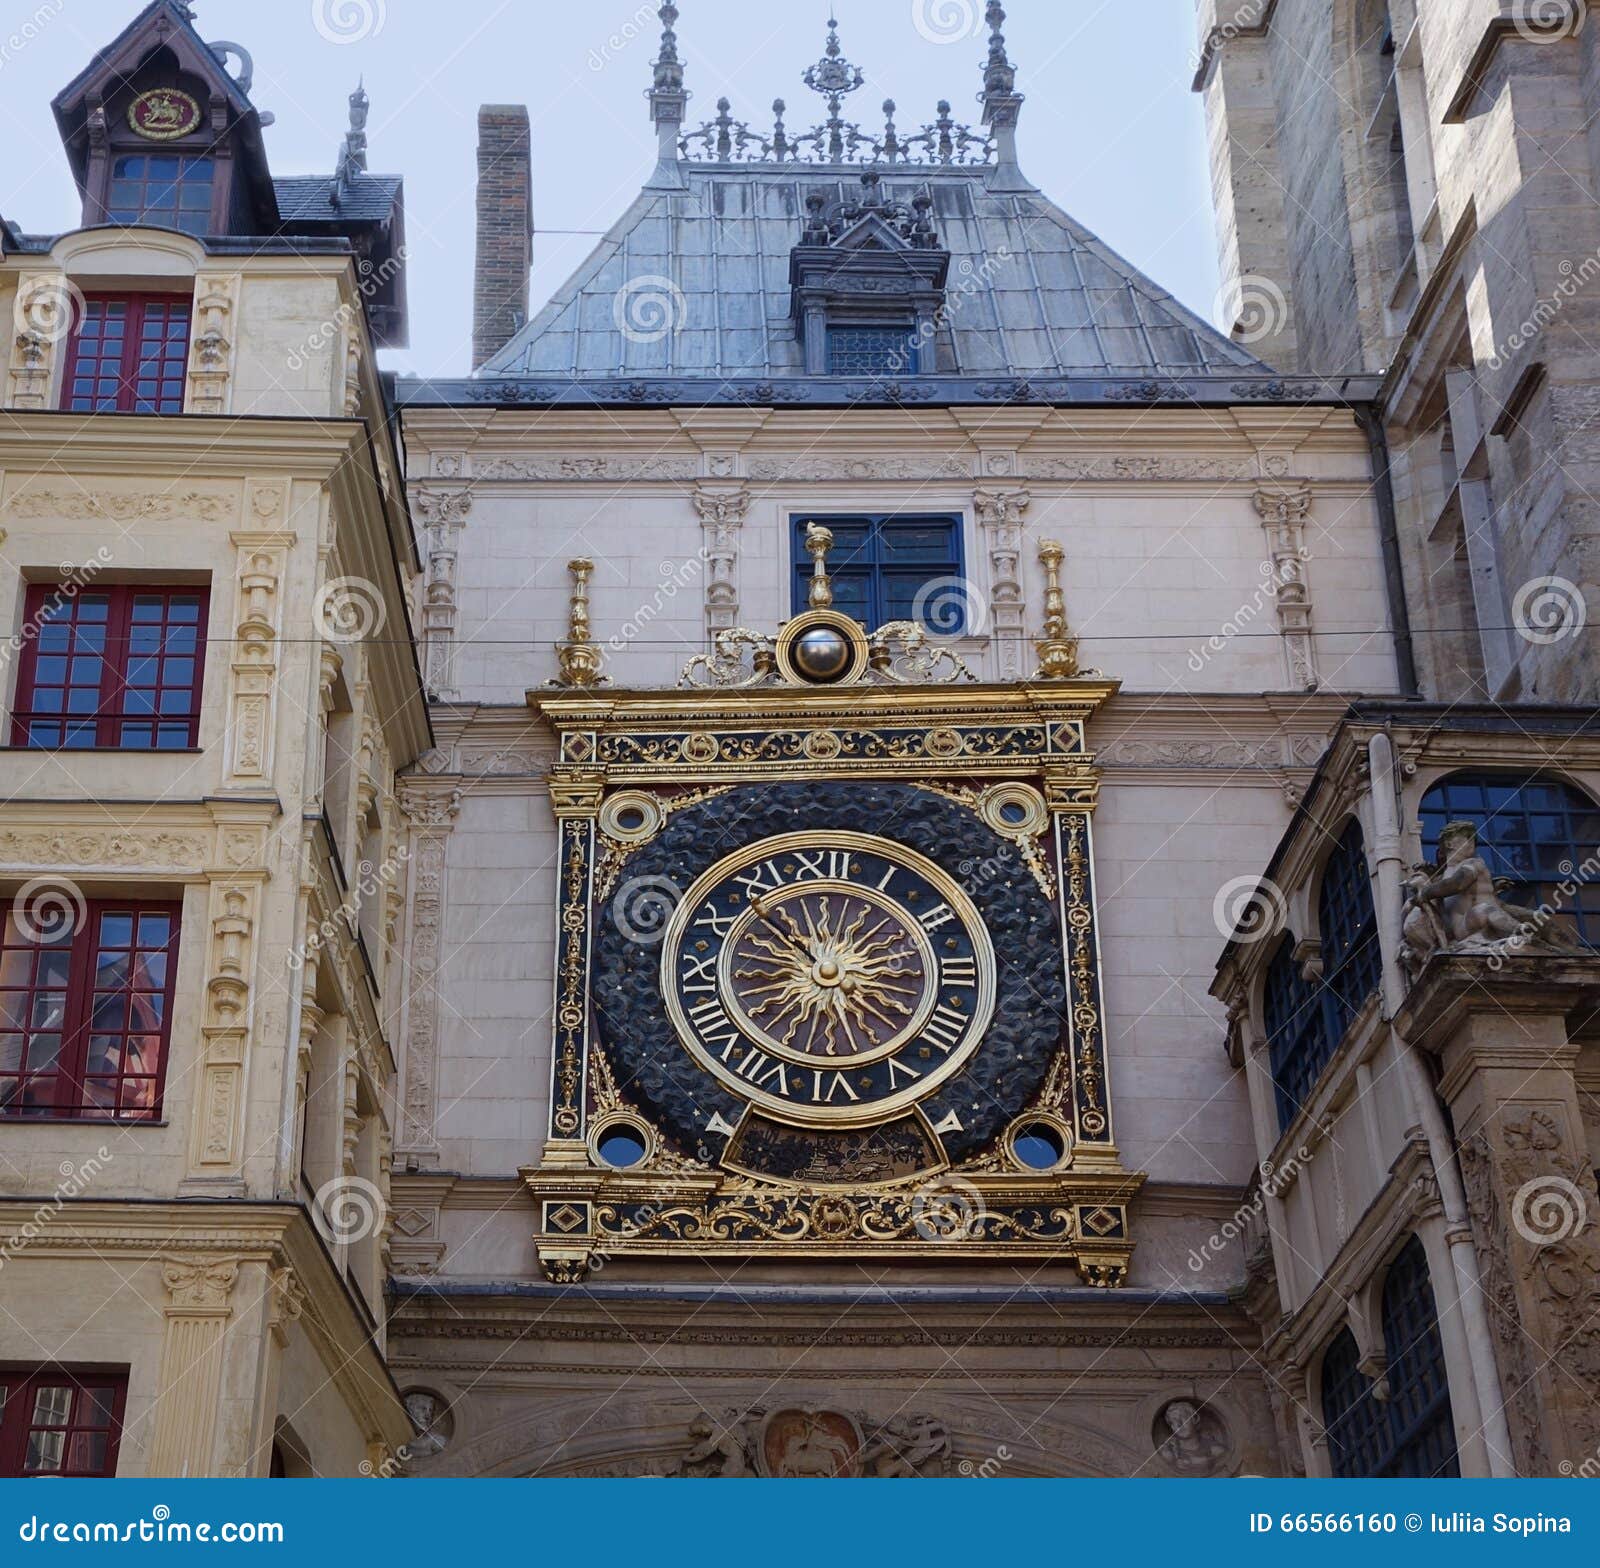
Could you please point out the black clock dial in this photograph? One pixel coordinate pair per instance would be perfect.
(840, 955)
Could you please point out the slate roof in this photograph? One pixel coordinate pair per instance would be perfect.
(1031, 292)
(368, 198)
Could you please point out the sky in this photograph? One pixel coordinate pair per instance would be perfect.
(1110, 130)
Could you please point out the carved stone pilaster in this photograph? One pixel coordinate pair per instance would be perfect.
(443, 513)
(431, 807)
(211, 348)
(216, 1154)
(722, 510)
(189, 1396)
(1283, 515)
(41, 320)
(262, 562)
(1000, 515)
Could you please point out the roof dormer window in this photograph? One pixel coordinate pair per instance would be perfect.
(868, 282)
(168, 189)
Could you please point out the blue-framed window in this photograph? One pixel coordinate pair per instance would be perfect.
(1352, 964)
(872, 351)
(888, 566)
(1421, 1425)
(1412, 1433)
(1307, 1019)
(1540, 833)
(1297, 1042)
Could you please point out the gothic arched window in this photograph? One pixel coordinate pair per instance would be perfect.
(1412, 1432)
(1352, 1417)
(1352, 964)
(1296, 1040)
(1307, 1019)
(1422, 1429)
(1540, 833)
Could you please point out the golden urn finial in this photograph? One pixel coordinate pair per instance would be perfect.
(579, 657)
(819, 541)
(1058, 648)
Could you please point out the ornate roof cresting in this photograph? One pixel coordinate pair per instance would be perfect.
(942, 143)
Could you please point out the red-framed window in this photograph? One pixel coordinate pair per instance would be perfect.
(111, 667)
(128, 353)
(85, 1005)
(60, 1423)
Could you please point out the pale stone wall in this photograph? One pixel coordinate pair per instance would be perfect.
(1170, 527)
(302, 717)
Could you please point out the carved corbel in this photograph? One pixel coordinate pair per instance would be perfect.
(1000, 515)
(1283, 515)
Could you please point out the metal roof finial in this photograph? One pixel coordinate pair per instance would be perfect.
(1002, 103)
(668, 100)
(668, 67)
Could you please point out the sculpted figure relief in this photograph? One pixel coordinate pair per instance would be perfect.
(1190, 1438)
(801, 1442)
(1457, 906)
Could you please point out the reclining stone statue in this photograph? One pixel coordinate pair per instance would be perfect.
(1457, 906)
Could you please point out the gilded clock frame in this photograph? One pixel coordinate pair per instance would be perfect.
(981, 744)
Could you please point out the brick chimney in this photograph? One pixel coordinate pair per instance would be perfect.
(505, 228)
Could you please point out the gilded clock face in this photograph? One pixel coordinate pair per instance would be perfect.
(852, 972)
(829, 977)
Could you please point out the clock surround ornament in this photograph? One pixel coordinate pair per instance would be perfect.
(827, 964)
